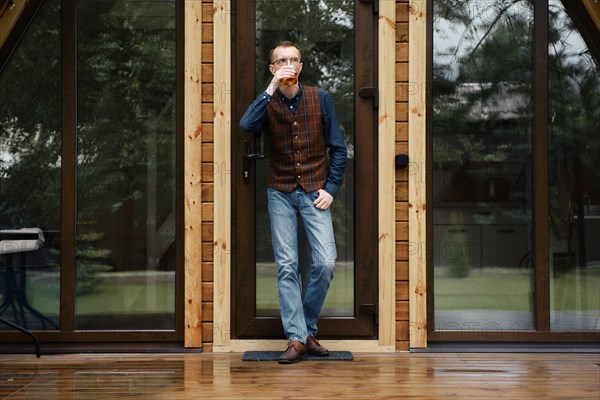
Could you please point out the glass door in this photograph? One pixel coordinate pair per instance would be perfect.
(574, 177)
(30, 175)
(126, 165)
(90, 173)
(515, 178)
(329, 35)
(482, 169)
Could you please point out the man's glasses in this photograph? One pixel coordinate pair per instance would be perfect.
(286, 61)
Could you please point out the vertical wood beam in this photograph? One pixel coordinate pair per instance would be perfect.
(193, 174)
(387, 173)
(222, 156)
(417, 193)
(9, 18)
(593, 7)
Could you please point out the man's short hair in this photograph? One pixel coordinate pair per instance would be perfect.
(282, 43)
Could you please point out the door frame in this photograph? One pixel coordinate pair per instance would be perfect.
(223, 128)
(245, 322)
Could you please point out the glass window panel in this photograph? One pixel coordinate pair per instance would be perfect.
(126, 72)
(482, 177)
(574, 177)
(30, 169)
(324, 32)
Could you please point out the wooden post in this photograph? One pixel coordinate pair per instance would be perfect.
(387, 173)
(222, 143)
(593, 7)
(193, 175)
(9, 17)
(417, 188)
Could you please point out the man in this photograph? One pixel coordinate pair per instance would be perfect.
(301, 125)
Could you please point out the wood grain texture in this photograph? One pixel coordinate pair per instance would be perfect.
(193, 176)
(222, 182)
(417, 193)
(387, 172)
(9, 18)
(369, 376)
(593, 7)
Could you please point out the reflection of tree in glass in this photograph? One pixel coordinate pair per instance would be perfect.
(30, 126)
(574, 85)
(125, 123)
(482, 83)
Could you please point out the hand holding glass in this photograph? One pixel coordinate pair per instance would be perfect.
(291, 81)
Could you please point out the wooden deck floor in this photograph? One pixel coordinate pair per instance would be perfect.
(369, 376)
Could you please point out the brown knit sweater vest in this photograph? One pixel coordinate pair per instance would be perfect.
(297, 150)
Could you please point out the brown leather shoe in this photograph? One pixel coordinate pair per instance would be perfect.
(293, 353)
(314, 348)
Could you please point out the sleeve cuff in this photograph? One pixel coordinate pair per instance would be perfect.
(331, 188)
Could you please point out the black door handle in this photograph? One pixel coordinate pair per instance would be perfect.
(247, 157)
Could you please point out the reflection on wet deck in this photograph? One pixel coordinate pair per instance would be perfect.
(373, 376)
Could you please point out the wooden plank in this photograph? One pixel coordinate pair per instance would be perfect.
(402, 11)
(9, 18)
(401, 72)
(207, 272)
(402, 32)
(386, 173)
(402, 190)
(193, 179)
(222, 183)
(402, 51)
(402, 111)
(402, 250)
(207, 290)
(207, 312)
(208, 193)
(417, 190)
(402, 345)
(402, 211)
(401, 91)
(402, 271)
(593, 7)
(208, 210)
(401, 147)
(207, 112)
(208, 134)
(402, 311)
(370, 376)
(401, 230)
(401, 132)
(207, 33)
(207, 254)
(402, 291)
(208, 230)
(207, 332)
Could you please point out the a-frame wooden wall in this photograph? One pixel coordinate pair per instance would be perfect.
(207, 197)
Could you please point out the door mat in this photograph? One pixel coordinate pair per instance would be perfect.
(274, 356)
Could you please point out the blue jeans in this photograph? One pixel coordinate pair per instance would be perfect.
(300, 309)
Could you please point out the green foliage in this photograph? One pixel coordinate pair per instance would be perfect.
(456, 239)
(91, 261)
(30, 127)
(125, 133)
(489, 69)
(483, 93)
